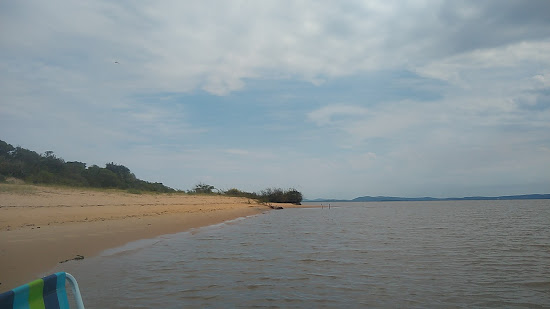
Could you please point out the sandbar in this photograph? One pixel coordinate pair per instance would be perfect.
(41, 226)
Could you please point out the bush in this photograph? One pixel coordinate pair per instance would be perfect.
(278, 195)
(202, 188)
(293, 196)
(134, 191)
(270, 195)
(42, 177)
(238, 193)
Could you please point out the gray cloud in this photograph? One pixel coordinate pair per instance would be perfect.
(474, 25)
(183, 46)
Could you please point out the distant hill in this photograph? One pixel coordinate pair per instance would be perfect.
(470, 198)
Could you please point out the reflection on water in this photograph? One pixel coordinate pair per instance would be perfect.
(391, 254)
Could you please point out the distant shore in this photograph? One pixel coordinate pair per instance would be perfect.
(41, 226)
(429, 199)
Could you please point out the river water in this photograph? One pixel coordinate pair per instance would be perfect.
(452, 254)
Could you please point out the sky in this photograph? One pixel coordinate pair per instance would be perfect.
(337, 99)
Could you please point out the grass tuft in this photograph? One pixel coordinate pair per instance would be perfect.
(17, 188)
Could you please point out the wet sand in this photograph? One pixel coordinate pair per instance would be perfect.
(41, 226)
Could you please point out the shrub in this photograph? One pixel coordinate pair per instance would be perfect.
(278, 195)
(202, 188)
(238, 193)
(134, 191)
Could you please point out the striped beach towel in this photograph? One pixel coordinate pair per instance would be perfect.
(46, 293)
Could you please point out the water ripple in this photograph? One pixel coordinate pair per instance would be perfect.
(489, 254)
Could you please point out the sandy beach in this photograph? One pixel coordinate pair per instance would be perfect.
(41, 226)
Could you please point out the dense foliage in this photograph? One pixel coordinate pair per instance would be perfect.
(277, 195)
(203, 188)
(271, 195)
(48, 169)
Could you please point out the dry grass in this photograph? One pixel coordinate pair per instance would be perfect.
(17, 188)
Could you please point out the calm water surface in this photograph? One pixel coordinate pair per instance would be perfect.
(456, 254)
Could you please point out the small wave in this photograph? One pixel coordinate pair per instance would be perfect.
(538, 284)
(322, 275)
(258, 286)
(131, 247)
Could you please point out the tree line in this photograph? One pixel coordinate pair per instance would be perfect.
(270, 195)
(47, 168)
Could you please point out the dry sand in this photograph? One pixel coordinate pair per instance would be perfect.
(42, 226)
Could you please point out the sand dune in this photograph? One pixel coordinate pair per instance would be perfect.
(42, 226)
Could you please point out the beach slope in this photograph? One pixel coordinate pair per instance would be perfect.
(41, 226)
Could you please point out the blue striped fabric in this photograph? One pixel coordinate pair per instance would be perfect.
(62, 298)
(6, 300)
(46, 293)
(21, 296)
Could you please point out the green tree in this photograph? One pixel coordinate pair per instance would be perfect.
(293, 196)
(73, 174)
(101, 177)
(51, 163)
(203, 188)
(25, 164)
(127, 179)
(278, 195)
(5, 149)
(238, 193)
(42, 177)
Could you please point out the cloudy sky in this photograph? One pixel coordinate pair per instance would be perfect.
(338, 99)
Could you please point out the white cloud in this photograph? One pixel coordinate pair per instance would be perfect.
(541, 80)
(216, 46)
(461, 69)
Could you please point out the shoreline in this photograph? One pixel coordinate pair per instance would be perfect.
(42, 226)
